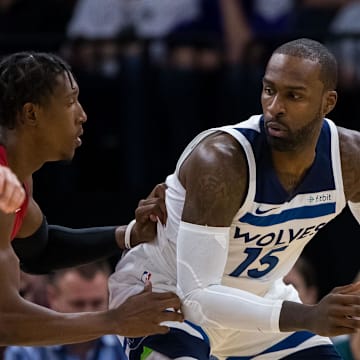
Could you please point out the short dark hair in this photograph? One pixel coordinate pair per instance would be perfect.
(314, 51)
(306, 268)
(27, 77)
(86, 271)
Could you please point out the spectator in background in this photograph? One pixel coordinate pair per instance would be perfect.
(79, 289)
(346, 45)
(302, 276)
(313, 17)
(112, 39)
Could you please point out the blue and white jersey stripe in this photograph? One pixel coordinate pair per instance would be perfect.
(272, 227)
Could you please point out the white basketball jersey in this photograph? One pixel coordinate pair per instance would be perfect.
(268, 233)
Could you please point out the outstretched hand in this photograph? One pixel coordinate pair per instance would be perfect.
(12, 193)
(148, 212)
(142, 314)
(338, 312)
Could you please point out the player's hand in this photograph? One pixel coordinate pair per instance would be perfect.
(12, 194)
(147, 214)
(141, 314)
(338, 312)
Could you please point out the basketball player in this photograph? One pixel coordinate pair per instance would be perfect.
(242, 203)
(42, 120)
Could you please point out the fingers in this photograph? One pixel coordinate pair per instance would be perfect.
(155, 204)
(148, 286)
(158, 191)
(165, 301)
(12, 193)
(348, 289)
(172, 316)
(152, 209)
(161, 329)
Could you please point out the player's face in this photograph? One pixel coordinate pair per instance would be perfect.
(73, 293)
(293, 101)
(62, 118)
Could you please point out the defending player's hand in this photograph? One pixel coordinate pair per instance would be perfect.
(147, 213)
(12, 193)
(338, 312)
(141, 314)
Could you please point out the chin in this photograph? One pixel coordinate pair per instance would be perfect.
(68, 156)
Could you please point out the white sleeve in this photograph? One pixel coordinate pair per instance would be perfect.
(355, 209)
(201, 257)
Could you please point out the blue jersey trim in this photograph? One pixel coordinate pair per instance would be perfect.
(318, 178)
(303, 212)
(176, 343)
(289, 342)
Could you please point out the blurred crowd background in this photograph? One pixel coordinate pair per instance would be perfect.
(153, 73)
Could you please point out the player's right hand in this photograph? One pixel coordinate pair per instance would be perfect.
(12, 194)
(141, 314)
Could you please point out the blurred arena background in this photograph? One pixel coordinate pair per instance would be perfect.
(153, 73)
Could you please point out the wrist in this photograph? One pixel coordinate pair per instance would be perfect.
(295, 316)
(129, 234)
(120, 236)
(125, 235)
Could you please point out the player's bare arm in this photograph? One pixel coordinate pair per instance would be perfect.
(215, 177)
(139, 315)
(350, 163)
(60, 328)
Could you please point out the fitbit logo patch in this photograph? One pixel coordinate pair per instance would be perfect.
(320, 198)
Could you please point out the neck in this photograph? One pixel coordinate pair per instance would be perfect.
(22, 156)
(291, 168)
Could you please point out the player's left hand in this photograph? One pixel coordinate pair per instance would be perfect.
(12, 194)
(148, 212)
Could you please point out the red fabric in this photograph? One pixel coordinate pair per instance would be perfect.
(20, 214)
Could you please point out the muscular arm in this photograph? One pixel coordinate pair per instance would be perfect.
(215, 177)
(25, 323)
(350, 164)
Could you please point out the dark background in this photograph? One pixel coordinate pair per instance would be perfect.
(140, 119)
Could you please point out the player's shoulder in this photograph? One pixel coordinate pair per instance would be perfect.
(349, 141)
(218, 154)
(219, 147)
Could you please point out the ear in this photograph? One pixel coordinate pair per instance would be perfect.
(330, 101)
(29, 114)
